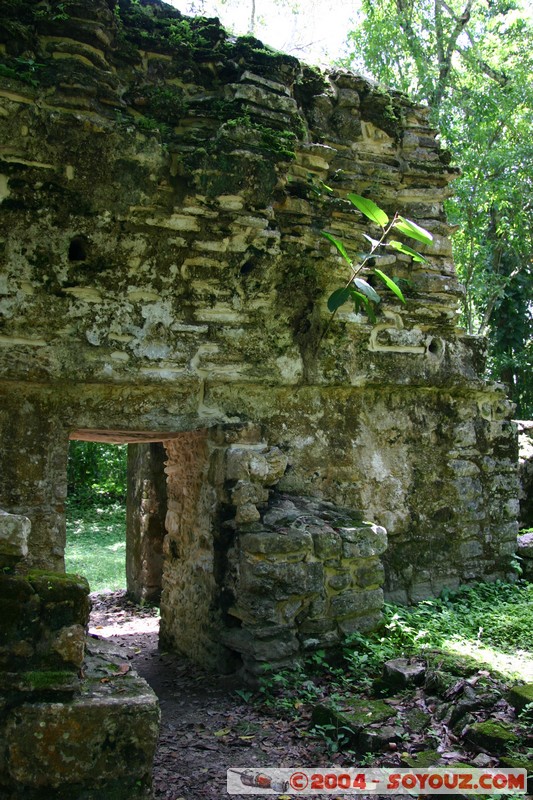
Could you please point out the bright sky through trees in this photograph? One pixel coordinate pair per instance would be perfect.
(313, 30)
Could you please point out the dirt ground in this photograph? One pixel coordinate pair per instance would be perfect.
(206, 727)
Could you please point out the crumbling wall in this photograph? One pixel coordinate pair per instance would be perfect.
(255, 577)
(163, 271)
(67, 728)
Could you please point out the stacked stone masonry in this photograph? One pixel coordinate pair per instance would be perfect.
(163, 276)
(74, 721)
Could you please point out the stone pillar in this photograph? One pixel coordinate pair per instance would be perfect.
(65, 731)
(189, 584)
(33, 478)
(146, 509)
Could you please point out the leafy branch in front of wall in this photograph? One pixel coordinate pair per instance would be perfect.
(357, 290)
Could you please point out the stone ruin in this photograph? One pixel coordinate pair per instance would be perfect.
(164, 284)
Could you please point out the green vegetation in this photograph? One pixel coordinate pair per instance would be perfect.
(96, 514)
(96, 545)
(472, 64)
(96, 474)
(357, 289)
(485, 626)
(471, 647)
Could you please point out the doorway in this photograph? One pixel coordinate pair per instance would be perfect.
(96, 513)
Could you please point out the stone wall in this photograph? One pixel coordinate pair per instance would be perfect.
(146, 509)
(163, 273)
(68, 729)
(255, 577)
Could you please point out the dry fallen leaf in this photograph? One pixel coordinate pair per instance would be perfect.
(223, 732)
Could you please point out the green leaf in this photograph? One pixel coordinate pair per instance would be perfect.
(403, 248)
(414, 231)
(366, 290)
(339, 245)
(361, 299)
(338, 298)
(390, 284)
(369, 209)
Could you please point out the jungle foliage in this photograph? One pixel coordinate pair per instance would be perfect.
(471, 61)
(96, 474)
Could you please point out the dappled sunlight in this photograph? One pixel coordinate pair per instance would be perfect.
(518, 666)
(96, 546)
(134, 626)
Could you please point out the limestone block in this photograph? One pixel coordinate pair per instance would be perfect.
(368, 573)
(401, 673)
(350, 603)
(340, 580)
(370, 540)
(246, 514)
(327, 543)
(282, 645)
(237, 463)
(360, 623)
(69, 644)
(520, 696)
(14, 533)
(491, 735)
(64, 598)
(104, 739)
(246, 492)
(281, 579)
(276, 465)
(525, 546)
(270, 543)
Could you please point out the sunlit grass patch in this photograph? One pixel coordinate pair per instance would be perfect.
(490, 624)
(516, 667)
(96, 546)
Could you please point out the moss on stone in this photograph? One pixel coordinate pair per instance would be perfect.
(492, 735)
(360, 715)
(53, 679)
(418, 720)
(56, 587)
(521, 696)
(422, 760)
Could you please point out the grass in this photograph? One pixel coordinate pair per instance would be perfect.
(96, 545)
(484, 626)
(489, 624)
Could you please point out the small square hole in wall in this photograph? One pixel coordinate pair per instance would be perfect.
(77, 250)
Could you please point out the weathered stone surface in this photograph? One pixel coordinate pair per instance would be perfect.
(270, 543)
(100, 740)
(521, 695)
(494, 736)
(356, 718)
(525, 443)
(146, 510)
(44, 617)
(14, 532)
(161, 275)
(401, 673)
(524, 551)
(69, 644)
(349, 603)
